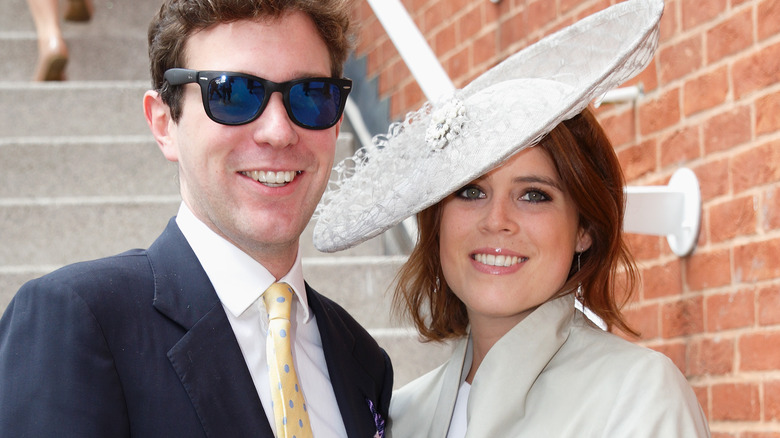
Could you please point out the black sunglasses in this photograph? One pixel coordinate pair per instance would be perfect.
(236, 98)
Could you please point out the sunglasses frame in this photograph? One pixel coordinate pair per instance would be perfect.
(181, 76)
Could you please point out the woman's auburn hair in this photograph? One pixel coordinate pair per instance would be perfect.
(591, 174)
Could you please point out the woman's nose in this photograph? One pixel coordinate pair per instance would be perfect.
(499, 217)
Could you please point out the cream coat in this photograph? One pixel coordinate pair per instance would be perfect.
(554, 375)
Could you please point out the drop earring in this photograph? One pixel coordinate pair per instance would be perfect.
(579, 294)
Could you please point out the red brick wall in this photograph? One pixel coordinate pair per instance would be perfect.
(712, 104)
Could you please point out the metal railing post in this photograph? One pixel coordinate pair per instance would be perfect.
(413, 48)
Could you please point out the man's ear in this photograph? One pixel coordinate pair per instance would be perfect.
(158, 116)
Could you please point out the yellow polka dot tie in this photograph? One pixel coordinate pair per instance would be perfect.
(292, 421)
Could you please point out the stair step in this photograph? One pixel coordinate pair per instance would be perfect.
(96, 108)
(55, 167)
(60, 231)
(110, 18)
(89, 58)
(112, 46)
(362, 284)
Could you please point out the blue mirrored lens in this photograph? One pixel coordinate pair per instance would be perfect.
(314, 103)
(235, 99)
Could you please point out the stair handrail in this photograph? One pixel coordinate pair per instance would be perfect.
(673, 210)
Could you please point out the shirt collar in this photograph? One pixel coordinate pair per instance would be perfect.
(238, 279)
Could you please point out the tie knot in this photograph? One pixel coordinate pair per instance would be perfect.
(278, 300)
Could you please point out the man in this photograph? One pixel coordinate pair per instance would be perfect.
(170, 341)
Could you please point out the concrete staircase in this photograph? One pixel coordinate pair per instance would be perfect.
(81, 176)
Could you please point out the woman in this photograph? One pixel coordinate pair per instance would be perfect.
(520, 201)
(510, 252)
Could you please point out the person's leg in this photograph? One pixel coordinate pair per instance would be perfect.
(52, 51)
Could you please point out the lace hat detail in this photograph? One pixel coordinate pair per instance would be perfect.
(448, 143)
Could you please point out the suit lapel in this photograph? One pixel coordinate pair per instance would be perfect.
(207, 359)
(352, 384)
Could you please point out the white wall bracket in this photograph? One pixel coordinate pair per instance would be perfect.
(673, 210)
(621, 95)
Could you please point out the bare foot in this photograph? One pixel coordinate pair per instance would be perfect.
(52, 59)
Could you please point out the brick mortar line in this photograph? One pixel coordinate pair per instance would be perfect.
(730, 333)
(738, 426)
(735, 242)
(704, 294)
(734, 335)
(744, 377)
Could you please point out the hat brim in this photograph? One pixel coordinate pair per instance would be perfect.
(444, 145)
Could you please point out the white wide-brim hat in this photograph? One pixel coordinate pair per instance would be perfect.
(446, 144)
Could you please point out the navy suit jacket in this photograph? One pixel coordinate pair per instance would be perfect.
(138, 344)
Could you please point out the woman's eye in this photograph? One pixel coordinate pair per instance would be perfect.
(535, 196)
(471, 193)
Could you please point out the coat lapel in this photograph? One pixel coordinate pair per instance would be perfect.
(208, 358)
(454, 374)
(536, 340)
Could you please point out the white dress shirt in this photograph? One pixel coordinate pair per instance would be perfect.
(239, 282)
(458, 424)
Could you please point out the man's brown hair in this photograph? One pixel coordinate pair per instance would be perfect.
(177, 20)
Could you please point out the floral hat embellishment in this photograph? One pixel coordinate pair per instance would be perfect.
(446, 123)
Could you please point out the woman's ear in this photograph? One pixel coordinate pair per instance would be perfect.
(158, 116)
(583, 241)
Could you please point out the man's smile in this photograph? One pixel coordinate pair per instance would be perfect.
(271, 178)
